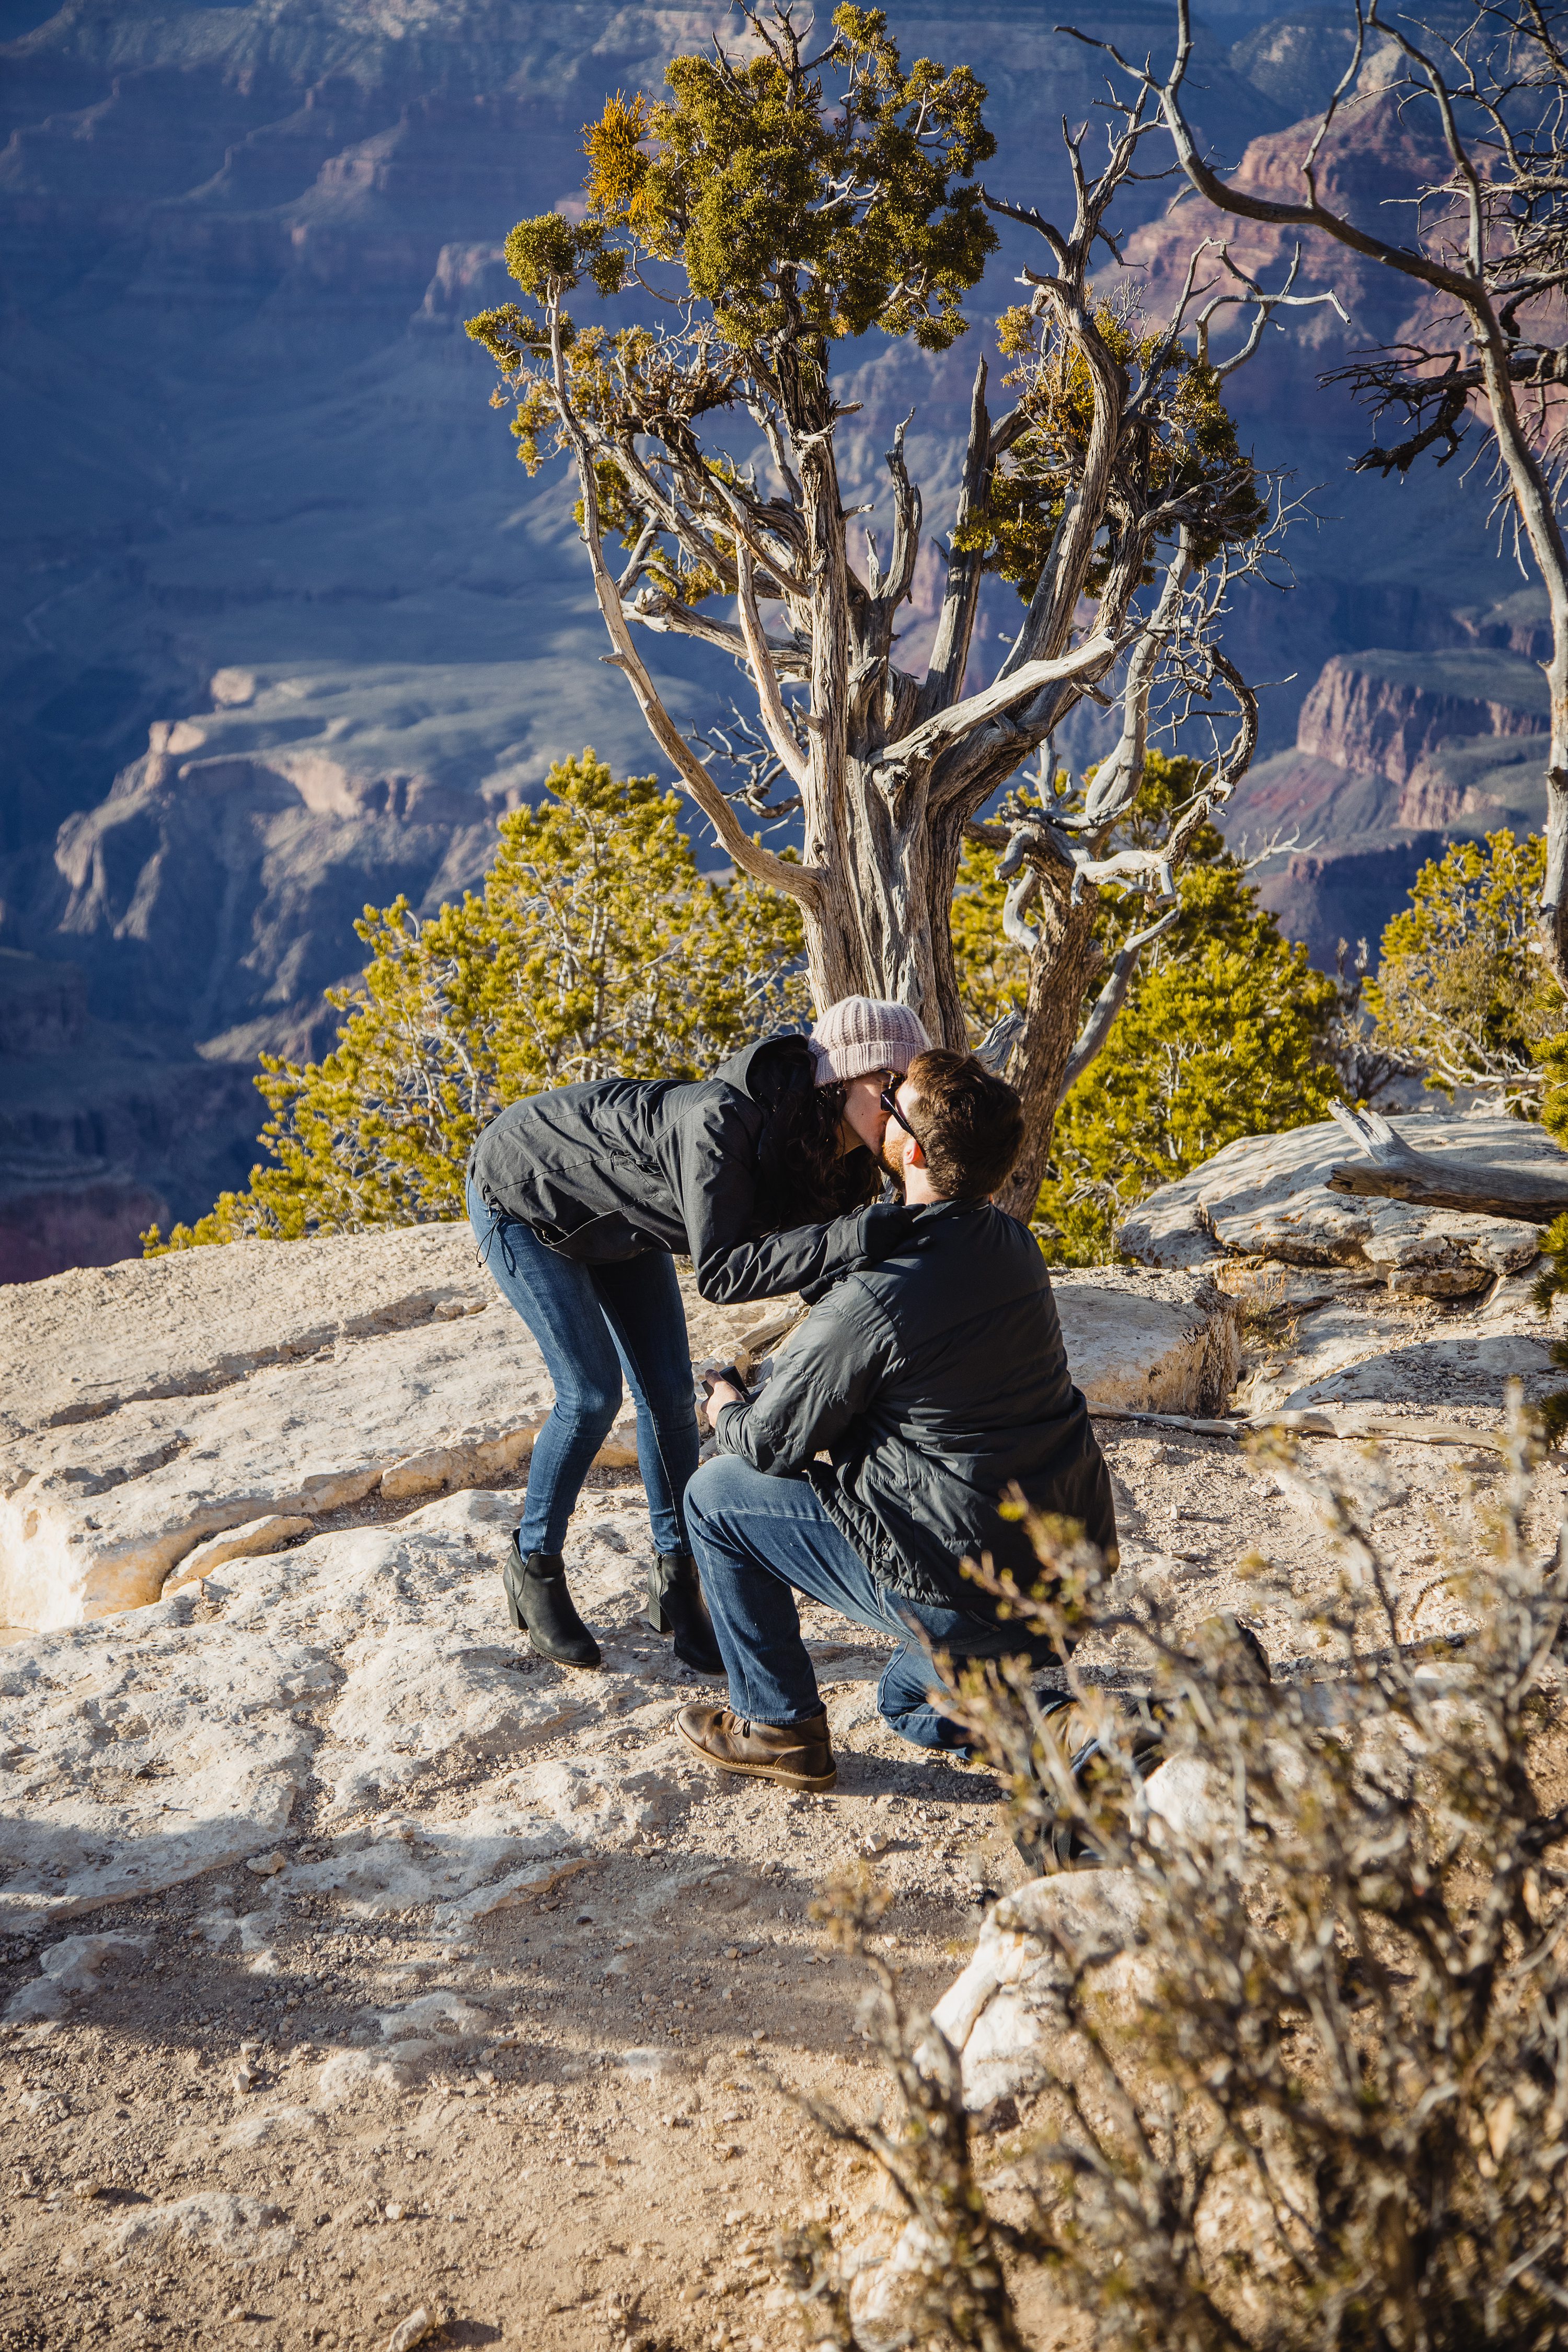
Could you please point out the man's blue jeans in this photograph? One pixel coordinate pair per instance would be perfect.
(760, 1539)
(593, 1323)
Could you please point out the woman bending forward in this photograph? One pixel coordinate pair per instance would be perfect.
(765, 1174)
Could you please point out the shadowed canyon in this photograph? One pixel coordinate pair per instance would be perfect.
(283, 627)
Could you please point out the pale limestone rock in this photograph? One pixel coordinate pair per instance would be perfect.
(83, 1344)
(1191, 1801)
(1358, 1359)
(443, 1467)
(152, 1407)
(1005, 2011)
(102, 1515)
(70, 1973)
(420, 2325)
(1007, 2002)
(358, 2075)
(265, 1534)
(241, 2229)
(1267, 1196)
(888, 2295)
(163, 1750)
(1264, 1286)
(175, 1741)
(1151, 1343)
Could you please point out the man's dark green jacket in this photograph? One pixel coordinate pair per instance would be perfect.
(934, 1382)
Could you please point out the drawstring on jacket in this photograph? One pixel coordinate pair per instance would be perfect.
(499, 1218)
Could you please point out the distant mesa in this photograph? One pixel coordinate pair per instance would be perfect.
(1395, 753)
(291, 630)
(96, 1127)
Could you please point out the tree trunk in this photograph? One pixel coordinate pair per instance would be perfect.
(1537, 510)
(1554, 894)
(1061, 972)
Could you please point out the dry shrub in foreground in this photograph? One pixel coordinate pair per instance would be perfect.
(1327, 2105)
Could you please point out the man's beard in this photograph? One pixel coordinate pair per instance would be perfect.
(895, 1168)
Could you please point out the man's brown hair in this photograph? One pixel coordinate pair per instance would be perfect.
(969, 1123)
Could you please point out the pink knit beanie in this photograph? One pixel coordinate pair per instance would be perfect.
(860, 1033)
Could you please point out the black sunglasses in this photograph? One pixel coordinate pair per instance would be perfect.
(889, 1101)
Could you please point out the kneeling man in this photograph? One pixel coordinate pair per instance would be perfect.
(935, 1383)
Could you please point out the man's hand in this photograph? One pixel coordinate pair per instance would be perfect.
(720, 1393)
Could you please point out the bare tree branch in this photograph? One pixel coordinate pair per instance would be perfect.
(1096, 1031)
(770, 701)
(763, 865)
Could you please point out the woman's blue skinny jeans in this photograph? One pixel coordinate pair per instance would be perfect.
(593, 1323)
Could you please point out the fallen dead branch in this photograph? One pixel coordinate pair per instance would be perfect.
(1398, 1172)
(1308, 1425)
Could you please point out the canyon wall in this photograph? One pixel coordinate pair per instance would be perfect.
(1395, 755)
(283, 628)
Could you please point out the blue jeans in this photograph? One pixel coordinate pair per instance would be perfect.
(760, 1539)
(593, 1323)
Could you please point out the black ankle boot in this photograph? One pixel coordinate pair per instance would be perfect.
(675, 1605)
(540, 1605)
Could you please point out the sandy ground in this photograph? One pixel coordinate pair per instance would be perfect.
(603, 2148)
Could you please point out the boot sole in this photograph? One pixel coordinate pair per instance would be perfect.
(583, 1666)
(521, 1625)
(815, 1784)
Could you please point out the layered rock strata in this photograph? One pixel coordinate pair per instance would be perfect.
(1266, 1197)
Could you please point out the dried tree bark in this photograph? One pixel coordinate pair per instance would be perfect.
(1394, 1171)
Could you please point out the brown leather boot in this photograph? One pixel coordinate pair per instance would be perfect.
(798, 1754)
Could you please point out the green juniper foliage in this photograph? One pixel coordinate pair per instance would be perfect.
(1194, 461)
(1459, 989)
(795, 214)
(596, 950)
(786, 204)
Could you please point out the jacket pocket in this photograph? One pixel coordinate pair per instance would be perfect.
(599, 1242)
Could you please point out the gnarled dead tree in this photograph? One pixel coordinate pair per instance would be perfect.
(1110, 489)
(1489, 257)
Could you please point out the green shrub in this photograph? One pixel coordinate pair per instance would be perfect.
(1459, 990)
(596, 950)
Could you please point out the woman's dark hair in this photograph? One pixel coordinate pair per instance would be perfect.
(814, 1178)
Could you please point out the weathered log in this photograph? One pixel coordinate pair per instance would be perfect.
(1397, 1172)
(1308, 1425)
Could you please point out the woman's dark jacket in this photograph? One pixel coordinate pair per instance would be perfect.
(935, 1382)
(605, 1171)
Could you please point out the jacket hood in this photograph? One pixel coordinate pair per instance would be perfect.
(771, 1067)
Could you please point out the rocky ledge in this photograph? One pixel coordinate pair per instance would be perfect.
(165, 1417)
(1266, 1197)
(335, 1918)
